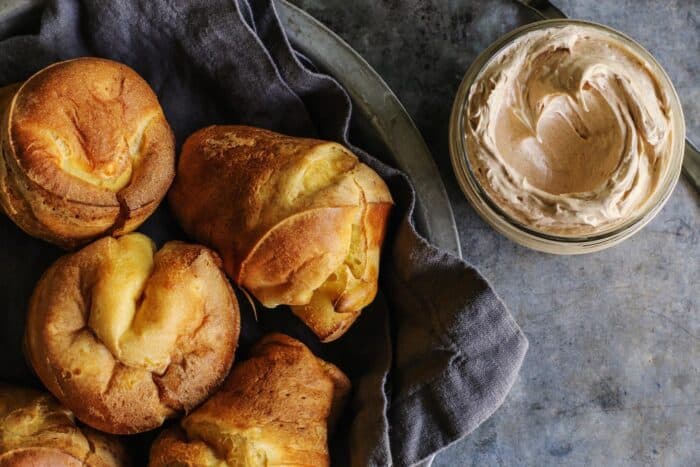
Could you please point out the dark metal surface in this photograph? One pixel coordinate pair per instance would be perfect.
(691, 163)
(543, 8)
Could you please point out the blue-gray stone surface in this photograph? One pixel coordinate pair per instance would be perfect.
(612, 376)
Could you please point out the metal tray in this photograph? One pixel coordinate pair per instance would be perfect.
(376, 105)
(380, 122)
(380, 125)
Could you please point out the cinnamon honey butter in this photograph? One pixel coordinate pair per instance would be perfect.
(570, 130)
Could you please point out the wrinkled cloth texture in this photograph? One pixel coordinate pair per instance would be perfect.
(437, 352)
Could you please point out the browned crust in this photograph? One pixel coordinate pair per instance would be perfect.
(172, 448)
(83, 374)
(42, 433)
(220, 212)
(95, 108)
(329, 327)
(300, 246)
(282, 399)
(38, 457)
(236, 191)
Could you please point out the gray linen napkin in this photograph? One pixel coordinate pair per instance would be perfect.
(437, 352)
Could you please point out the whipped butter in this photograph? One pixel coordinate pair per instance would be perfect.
(569, 130)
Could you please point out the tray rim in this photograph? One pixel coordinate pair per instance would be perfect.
(387, 116)
(374, 100)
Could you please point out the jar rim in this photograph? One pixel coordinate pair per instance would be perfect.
(534, 238)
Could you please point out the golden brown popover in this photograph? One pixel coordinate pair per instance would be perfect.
(36, 431)
(85, 150)
(273, 409)
(297, 221)
(125, 336)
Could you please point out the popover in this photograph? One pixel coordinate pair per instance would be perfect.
(85, 151)
(297, 221)
(126, 336)
(36, 431)
(275, 408)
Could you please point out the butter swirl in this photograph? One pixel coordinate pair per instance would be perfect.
(569, 130)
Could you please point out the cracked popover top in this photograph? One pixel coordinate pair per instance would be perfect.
(275, 408)
(36, 431)
(85, 151)
(126, 336)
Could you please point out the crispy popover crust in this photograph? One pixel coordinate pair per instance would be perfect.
(297, 221)
(125, 336)
(273, 409)
(36, 431)
(85, 150)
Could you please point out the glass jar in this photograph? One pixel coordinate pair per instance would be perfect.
(527, 235)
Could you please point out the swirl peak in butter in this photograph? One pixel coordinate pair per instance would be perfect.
(570, 130)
